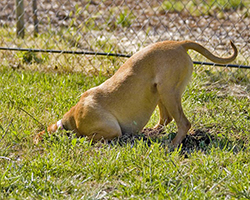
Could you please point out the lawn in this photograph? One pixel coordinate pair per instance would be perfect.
(63, 167)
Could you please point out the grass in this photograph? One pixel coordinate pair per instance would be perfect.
(72, 168)
(199, 8)
(63, 39)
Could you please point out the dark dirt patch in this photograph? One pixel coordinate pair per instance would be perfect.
(196, 140)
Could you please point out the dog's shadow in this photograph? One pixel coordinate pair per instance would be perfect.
(197, 140)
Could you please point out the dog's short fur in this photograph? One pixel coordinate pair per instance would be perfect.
(156, 75)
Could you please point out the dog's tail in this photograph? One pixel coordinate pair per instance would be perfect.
(202, 50)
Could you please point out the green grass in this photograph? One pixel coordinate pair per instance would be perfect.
(65, 38)
(72, 168)
(199, 8)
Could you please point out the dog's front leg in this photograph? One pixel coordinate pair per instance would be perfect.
(50, 129)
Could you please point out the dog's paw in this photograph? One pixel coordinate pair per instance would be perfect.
(38, 137)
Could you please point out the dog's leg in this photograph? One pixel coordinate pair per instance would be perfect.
(101, 135)
(51, 129)
(172, 102)
(100, 125)
(165, 117)
(109, 131)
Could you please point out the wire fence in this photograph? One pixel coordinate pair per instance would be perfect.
(118, 27)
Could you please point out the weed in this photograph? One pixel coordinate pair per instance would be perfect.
(125, 19)
(29, 57)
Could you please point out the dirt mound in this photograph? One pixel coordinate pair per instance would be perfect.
(196, 140)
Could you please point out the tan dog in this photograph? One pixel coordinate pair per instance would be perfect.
(156, 75)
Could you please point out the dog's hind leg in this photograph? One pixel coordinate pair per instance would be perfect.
(103, 126)
(165, 117)
(107, 133)
(172, 102)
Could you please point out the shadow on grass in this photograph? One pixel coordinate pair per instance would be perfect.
(197, 140)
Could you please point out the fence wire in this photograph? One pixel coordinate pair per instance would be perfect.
(118, 26)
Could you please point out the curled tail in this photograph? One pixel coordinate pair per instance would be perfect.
(202, 50)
